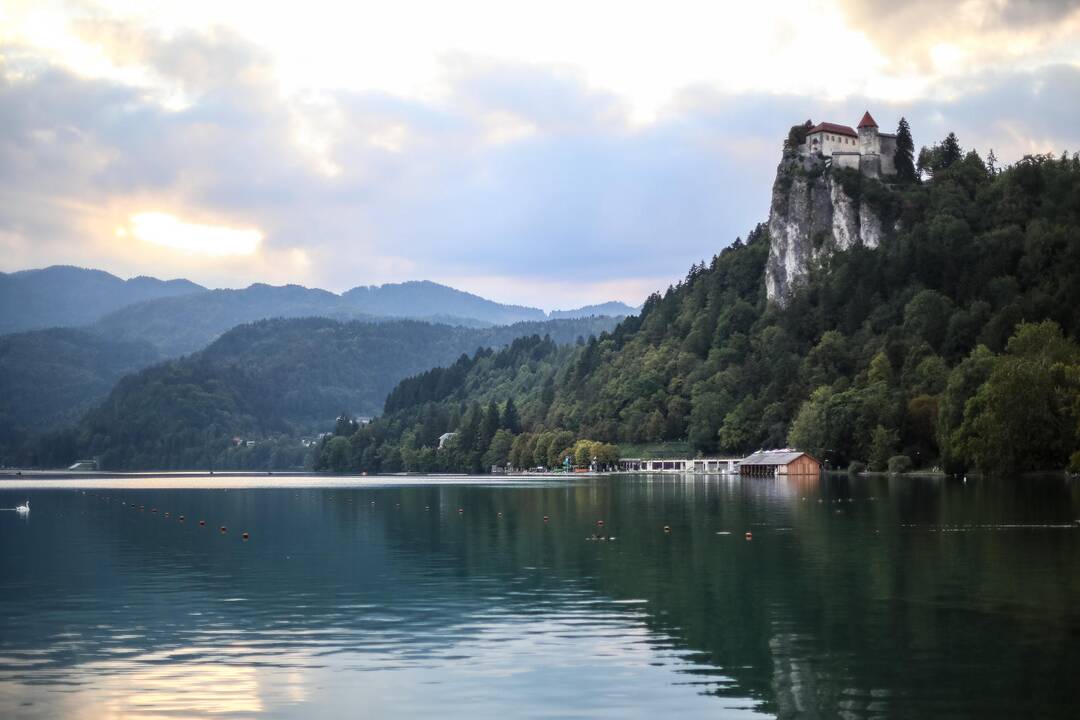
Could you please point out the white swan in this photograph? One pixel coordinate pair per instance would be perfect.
(24, 508)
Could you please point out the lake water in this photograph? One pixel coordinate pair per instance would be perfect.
(359, 598)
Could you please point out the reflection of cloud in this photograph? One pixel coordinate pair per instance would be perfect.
(168, 685)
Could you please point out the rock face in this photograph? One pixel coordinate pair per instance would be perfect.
(810, 217)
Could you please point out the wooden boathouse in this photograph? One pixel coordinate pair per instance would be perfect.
(770, 463)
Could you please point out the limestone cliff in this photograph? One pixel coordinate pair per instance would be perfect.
(811, 216)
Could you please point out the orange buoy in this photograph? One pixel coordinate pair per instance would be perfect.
(245, 536)
(749, 536)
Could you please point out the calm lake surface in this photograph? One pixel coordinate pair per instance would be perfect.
(869, 598)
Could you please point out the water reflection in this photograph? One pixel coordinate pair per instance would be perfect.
(868, 598)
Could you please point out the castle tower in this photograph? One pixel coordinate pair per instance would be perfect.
(869, 144)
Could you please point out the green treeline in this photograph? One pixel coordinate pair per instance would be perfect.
(250, 399)
(952, 345)
(486, 401)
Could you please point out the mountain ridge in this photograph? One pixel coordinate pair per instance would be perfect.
(179, 316)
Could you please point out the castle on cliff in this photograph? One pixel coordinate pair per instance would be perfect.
(864, 148)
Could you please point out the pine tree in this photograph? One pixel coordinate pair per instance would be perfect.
(904, 159)
(511, 420)
(950, 151)
(489, 426)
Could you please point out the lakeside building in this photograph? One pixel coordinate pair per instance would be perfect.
(701, 466)
(779, 462)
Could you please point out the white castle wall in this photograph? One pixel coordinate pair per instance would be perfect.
(871, 153)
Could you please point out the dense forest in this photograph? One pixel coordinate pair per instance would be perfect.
(49, 378)
(952, 345)
(247, 400)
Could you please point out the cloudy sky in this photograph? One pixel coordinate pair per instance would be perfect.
(550, 153)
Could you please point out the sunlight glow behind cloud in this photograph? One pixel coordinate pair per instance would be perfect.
(164, 229)
(555, 153)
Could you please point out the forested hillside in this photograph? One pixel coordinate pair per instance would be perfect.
(269, 382)
(953, 344)
(181, 325)
(49, 378)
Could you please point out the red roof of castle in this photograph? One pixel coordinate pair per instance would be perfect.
(867, 121)
(833, 128)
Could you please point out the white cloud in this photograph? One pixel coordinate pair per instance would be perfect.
(188, 237)
(548, 161)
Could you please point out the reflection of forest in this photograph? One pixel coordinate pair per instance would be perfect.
(860, 598)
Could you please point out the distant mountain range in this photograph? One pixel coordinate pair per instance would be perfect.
(62, 295)
(179, 316)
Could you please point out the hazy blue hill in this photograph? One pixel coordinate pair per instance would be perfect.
(179, 317)
(181, 325)
(49, 378)
(611, 309)
(272, 378)
(63, 295)
(427, 299)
